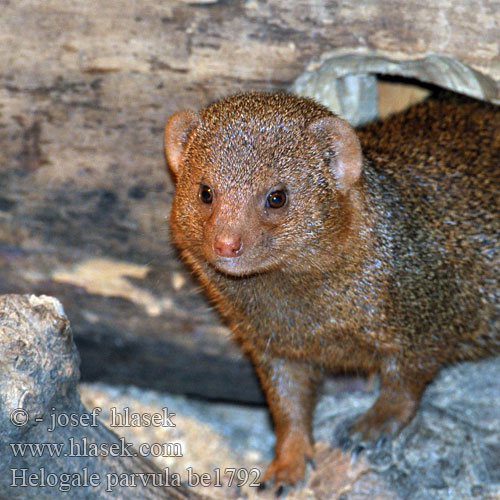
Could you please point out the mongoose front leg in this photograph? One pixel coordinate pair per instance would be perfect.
(290, 388)
(400, 392)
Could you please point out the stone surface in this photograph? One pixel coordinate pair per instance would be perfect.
(49, 443)
(216, 438)
(450, 450)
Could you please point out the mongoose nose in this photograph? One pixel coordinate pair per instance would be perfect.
(228, 245)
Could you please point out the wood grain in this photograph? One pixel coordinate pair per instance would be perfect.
(85, 88)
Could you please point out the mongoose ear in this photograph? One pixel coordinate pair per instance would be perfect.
(338, 138)
(177, 130)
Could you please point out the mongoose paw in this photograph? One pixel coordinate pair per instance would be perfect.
(382, 421)
(289, 464)
(286, 471)
(351, 438)
(278, 492)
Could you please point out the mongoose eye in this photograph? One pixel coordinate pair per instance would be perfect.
(206, 194)
(276, 199)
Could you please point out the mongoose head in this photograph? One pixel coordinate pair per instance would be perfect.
(260, 179)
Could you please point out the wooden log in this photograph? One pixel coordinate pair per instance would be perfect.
(127, 335)
(85, 89)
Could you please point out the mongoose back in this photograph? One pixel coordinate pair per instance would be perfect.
(326, 250)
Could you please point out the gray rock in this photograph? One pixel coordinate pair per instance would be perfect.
(451, 449)
(47, 437)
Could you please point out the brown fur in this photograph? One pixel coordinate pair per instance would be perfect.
(393, 269)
